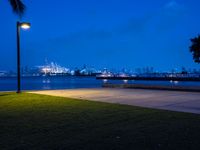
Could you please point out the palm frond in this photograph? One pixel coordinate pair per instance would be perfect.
(17, 6)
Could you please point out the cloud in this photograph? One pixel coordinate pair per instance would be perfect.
(173, 8)
(162, 19)
(169, 18)
(133, 26)
(172, 5)
(134, 29)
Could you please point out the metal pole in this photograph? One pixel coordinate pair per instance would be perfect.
(18, 59)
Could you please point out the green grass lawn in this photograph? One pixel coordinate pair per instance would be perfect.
(30, 121)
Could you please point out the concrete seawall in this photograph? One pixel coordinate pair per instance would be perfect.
(153, 87)
(197, 79)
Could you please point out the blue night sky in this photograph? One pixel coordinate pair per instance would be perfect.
(102, 33)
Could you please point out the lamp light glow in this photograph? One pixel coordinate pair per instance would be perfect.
(25, 25)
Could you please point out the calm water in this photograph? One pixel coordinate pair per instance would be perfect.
(47, 83)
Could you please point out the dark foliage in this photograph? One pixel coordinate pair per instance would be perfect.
(17, 6)
(195, 48)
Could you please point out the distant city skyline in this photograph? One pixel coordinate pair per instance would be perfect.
(113, 34)
(55, 67)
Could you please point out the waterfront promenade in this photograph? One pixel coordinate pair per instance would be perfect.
(167, 100)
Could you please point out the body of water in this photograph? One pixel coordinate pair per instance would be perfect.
(70, 82)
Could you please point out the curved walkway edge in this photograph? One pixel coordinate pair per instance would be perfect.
(167, 100)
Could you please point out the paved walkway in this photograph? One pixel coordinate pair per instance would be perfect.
(169, 100)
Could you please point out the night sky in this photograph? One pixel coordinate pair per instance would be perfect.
(102, 33)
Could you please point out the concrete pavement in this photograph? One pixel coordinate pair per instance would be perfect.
(168, 100)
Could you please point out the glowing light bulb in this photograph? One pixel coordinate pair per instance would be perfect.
(25, 26)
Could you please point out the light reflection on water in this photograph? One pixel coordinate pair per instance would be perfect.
(125, 81)
(46, 83)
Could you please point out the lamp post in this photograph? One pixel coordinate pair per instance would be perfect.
(23, 25)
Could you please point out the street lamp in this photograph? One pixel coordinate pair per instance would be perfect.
(25, 26)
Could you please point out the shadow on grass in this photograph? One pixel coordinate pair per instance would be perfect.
(6, 94)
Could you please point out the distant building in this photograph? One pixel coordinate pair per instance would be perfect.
(3, 73)
(53, 69)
